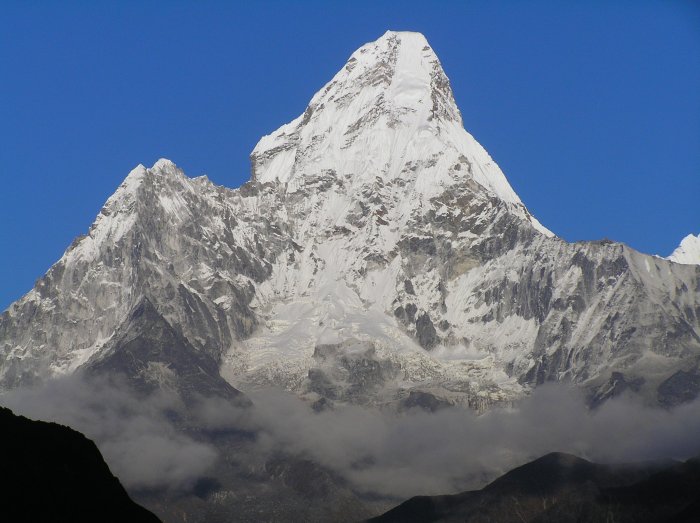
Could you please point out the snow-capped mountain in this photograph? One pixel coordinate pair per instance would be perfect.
(378, 256)
(688, 251)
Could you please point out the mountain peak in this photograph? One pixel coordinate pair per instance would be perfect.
(407, 35)
(407, 72)
(389, 93)
(164, 165)
(688, 252)
(387, 115)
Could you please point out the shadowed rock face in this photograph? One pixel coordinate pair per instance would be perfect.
(152, 356)
(349, 372)
(564, 488)
(53, 473)
(614, 387)
(418, 399)
(681, 387)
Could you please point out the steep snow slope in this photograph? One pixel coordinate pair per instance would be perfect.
(388, 116)
(378, 256)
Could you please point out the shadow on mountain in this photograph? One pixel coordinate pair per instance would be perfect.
(561, 488)
(152, 355)
(153, 358)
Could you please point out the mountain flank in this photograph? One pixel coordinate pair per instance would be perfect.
(561, 488)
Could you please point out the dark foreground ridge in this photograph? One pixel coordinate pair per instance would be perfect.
(560, 488)
(53, 473)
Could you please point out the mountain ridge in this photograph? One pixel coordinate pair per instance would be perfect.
(561, 487)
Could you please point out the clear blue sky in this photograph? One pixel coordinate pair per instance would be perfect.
(592, 109)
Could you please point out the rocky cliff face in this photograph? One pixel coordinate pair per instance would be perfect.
(378, 256)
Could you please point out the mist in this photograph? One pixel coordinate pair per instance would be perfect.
(135, 435)
(455, 449)
(377, 452)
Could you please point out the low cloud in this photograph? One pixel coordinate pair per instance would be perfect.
(376, 451)
(455, 449)
(134, 434)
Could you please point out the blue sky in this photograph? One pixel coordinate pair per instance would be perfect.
(592, 109)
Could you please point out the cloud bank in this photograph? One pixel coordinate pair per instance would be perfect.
(136, 437)
(455, 449)
(377, 452)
